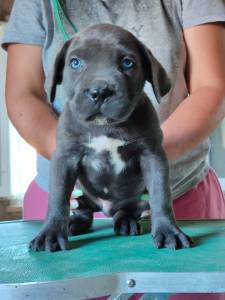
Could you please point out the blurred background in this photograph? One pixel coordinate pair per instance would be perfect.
(18, 159)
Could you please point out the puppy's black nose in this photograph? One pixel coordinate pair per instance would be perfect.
(99, 91)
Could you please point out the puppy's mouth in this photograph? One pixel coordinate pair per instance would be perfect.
(98, 119)
(105, 114)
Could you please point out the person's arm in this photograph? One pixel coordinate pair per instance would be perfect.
(200, 113)
(26, 100)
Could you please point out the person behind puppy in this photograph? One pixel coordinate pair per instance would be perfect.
(188, 39)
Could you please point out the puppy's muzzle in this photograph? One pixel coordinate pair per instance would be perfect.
(99, 91)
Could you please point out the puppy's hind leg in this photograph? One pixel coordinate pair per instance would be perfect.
(81, 220)
(126, 220)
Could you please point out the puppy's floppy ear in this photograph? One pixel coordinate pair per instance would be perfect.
(155, 73)
(57, 76)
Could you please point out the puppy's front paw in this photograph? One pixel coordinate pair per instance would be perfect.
(126, 225)
(170, 236)
(51, 238)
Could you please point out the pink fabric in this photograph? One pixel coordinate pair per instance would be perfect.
(35, 204)
(205, 201)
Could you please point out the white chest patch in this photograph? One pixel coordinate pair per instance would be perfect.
(105, 190)
(103, 143)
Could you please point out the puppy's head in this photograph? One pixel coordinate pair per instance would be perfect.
(103, 70)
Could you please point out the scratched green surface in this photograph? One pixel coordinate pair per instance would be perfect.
(101, 252)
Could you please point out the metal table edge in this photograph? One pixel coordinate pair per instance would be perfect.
(117, 283)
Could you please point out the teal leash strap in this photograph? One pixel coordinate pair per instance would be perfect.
(63, 8)
(57, 8)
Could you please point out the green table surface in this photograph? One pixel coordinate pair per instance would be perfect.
(100, 252)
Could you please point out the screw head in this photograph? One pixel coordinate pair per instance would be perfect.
(131, 283)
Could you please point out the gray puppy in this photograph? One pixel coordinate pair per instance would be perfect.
(109, 140)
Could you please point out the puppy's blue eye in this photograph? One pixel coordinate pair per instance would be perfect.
(75, 63)
(127, 64)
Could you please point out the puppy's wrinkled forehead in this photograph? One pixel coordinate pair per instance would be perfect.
(96, 39)
(112, 48)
